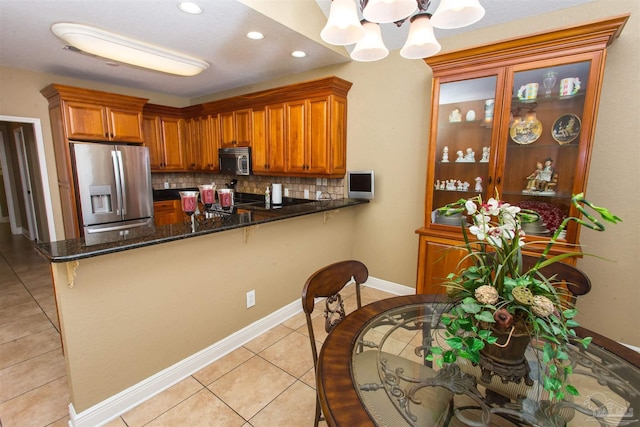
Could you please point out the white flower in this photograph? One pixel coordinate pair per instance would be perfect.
(492, 207)
(471, 207)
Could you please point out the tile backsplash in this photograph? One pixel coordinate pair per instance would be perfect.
(255, 184)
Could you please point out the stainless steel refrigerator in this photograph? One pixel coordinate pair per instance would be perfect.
(113, 185)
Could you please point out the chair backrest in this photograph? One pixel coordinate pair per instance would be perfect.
(576, 282)
(327, 283)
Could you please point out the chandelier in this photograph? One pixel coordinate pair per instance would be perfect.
(344, 27)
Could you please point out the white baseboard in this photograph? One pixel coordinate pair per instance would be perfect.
(105, 411)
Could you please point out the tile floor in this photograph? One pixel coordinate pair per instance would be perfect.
(267, 382)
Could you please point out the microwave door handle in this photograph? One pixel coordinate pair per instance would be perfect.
(116, 176)
(239, 164)
(122, 183)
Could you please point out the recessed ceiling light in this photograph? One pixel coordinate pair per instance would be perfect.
(190, 7)
(255, 35)
(298, 54)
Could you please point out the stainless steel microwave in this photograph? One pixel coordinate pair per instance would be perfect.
(235, 161)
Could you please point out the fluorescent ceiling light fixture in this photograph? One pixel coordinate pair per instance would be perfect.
(190, 7)
(298, 54)
(255, 35)
(127, 50)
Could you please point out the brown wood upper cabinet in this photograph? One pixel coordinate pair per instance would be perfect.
(98, 116)
(295, 130)
(516, 105)
(235, 128)
(165, 133)
(202, 144)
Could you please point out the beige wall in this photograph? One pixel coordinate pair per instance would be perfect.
(132, 314)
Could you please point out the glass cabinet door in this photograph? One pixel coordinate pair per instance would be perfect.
(463, 149)
(543, 146)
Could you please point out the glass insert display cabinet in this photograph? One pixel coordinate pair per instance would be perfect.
(513, 120)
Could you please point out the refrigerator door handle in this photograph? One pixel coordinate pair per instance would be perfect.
(123, 185)
(116, 174)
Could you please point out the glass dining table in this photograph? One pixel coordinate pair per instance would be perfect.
(372, 371)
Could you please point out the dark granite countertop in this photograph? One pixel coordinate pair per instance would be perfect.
(76, 249)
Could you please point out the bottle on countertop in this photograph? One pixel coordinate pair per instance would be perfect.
(267, 196)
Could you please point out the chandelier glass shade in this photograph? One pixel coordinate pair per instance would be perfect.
(344, 27)
(370, 47)
(385, 11)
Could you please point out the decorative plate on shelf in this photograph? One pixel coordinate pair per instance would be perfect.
(526, 131)
(566, 128)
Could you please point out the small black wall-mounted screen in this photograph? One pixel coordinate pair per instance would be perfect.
(360, 184)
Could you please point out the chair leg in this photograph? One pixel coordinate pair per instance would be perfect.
(318, 413)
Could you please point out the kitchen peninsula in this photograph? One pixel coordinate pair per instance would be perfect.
(139, 315)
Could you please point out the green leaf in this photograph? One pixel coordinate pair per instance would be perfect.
(455, 343)
(449, 357)
(572, 324)
(570, 313)
(585, 341)
(436, 350)
(485, 316)
(572, 390)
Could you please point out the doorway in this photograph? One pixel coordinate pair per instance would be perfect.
(23, 162)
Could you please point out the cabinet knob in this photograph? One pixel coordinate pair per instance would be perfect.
(499, 180)
(489, 180)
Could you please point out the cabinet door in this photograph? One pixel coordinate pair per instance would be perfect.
(547, 142)
(338, 135)
(437, 260)
(259, 148)
(125, 125)
(210, 137)
(193, 139)
(173, 143)
(243, 127)
(276, 137)
(235, 128)
(464, 142)
(153, 140)
(167, 212)
(296, 160)
(227, 129)
(317, 143)
(85, 121)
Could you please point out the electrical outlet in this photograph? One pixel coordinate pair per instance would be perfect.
(166, 185)
(251, 299)
(306, 194)
(286, 192)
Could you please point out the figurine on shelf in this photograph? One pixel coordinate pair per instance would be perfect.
(460, 155)
(548, 178)
(534, 179)
(451, 185)
(442, 184)
(465, 186)
(437, 185)
(485, 155)
(445, 155)
(470, 156)
(455, 116)
(478, 186)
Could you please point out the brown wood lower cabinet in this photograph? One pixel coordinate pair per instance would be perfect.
(167, 212)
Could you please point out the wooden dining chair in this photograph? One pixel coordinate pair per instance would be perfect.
(573, 279)
(327, 283)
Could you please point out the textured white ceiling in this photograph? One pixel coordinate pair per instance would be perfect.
(216, 36)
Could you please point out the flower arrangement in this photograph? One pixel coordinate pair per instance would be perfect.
(491, 291)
